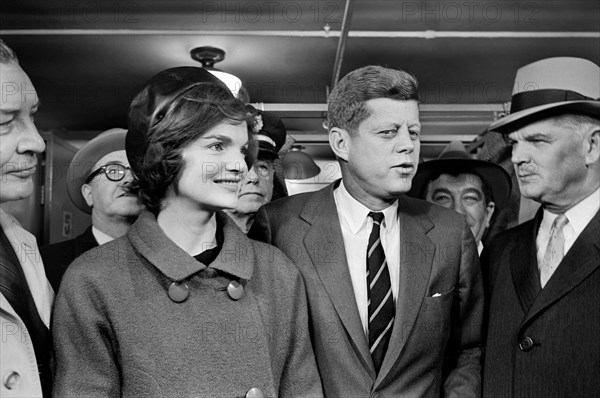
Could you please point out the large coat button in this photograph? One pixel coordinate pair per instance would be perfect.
(254, 393)
(178, 292)
(235, 290)
(11, 381)
(526, 344)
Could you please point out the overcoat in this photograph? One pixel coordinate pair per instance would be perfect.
(119, 331)
(19, 371)
(439, 306)
(543, 342)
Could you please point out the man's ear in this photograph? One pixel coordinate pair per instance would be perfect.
(593, 151)
(490, 212)
(86, 192)
(340, 141)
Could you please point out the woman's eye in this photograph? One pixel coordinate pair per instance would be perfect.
(217, 146)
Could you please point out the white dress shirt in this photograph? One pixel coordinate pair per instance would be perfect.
(100, 236)
(356, 228)
(579, 217)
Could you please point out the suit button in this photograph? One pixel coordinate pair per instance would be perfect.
(526, 344)
(12, 380)
(254, 393)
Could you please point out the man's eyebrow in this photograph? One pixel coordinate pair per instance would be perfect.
(473, 190)
(440, 189)
(534, 136)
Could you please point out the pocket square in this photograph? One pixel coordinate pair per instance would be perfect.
(437, 295)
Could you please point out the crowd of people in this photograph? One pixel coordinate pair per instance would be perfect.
(195, 280)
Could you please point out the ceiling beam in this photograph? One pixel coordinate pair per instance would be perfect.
(427, 34)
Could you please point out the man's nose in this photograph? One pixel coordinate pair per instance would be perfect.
(31, 141)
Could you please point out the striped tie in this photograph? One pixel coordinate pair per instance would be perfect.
(381, 301)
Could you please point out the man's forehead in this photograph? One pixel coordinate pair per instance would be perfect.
(119, 156)
(461, 180)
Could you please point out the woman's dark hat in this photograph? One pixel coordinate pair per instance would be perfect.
(455, 159)
(152, 103)
(551, 86)
(270, 133)
(86, 158)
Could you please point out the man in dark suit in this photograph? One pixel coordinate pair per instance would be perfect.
(393, 283)
(544, 307)
(25, 294)
(97, 183)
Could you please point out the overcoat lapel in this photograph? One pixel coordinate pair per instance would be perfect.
(523, 265)
(325, 246)
(580, 261)
(416, 259)
(84, 242)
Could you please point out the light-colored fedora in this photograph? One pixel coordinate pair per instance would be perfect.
(549, 87)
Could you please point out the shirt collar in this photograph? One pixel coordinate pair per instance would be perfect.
(100, 236)
(355, 214)
(579, 215)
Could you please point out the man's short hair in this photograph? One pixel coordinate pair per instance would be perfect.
(574, 121)
(347, 102)
(7, 55)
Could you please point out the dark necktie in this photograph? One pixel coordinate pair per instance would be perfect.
(381, 300)
(14, 287)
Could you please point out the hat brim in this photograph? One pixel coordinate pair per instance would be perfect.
(495, 177)
(505, 124)
(267, 154)
(83, 161)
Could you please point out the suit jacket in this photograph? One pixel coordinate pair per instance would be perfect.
(58, 256)
(438, 309)
(543, 342)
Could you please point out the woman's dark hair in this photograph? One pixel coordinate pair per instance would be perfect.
(189, 116)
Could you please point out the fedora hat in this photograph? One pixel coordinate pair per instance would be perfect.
(86, 158)
(455, 159)
(549, 87)
(270, 133)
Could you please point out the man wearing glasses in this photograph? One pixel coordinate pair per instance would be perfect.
(97, 183)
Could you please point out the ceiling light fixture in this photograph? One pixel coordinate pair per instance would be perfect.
(208, 57)
(298, 165)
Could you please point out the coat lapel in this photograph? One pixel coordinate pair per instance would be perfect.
(416, 259)
(523, 265)
(325, 246)
(84, 242)
(580, 261)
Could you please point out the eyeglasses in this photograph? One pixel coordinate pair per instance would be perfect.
(114, 172)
